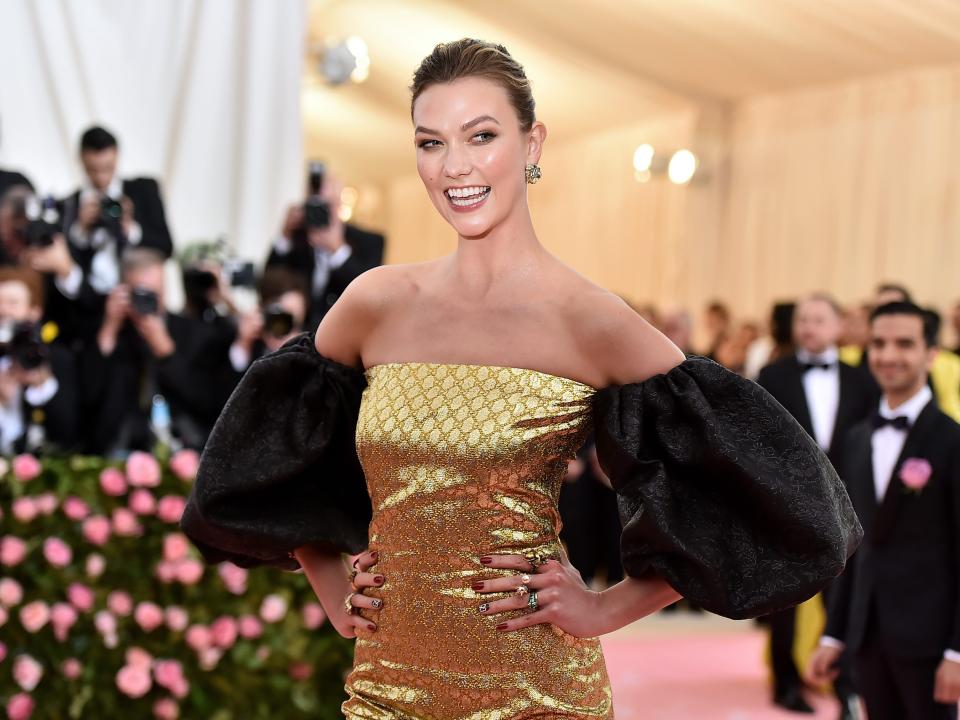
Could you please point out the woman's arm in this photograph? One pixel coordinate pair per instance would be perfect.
(632, 599)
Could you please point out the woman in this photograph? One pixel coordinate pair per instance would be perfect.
(432, 417)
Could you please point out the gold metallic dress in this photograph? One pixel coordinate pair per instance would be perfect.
(462, 461)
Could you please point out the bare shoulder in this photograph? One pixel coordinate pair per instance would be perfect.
(359, 309)
(618, 343)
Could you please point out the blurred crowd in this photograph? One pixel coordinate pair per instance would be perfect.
(92, 359)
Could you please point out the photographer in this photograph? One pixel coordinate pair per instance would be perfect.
(39, 404)
(147, 363)
(326, 252)
(283, 308)
(108, 215)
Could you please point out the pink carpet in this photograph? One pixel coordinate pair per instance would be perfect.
(717, 675)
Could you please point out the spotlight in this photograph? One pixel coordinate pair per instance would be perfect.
(344, 61)
(643, 158)
(682, 166)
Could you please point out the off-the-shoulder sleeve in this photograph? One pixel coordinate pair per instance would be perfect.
(721, 492)
(280, 468)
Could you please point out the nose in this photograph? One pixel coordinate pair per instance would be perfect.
(455, 162)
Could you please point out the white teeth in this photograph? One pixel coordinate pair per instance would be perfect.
(467, 200)
(466, 191)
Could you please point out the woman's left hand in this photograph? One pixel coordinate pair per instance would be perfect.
(562, 597)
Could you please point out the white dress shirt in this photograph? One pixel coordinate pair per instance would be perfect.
(822, 389)
(324, 261)
(886, 444)
(11, 415)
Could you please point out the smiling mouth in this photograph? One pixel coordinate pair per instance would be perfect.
(467, 196)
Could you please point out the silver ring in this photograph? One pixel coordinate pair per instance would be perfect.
(532, 600)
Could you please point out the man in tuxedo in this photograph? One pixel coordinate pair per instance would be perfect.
(327, 252)
(108, 215)
(896, 608)
(826, 397)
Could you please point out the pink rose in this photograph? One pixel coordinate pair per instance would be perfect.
(300, 670)
(166, 709)
(143, 469)
(46, 503)
(168, 673)
(120, 603)
(113, 482)
(235, 578)
(75, 508)
(27, 672)
(34, 616)
(223, 632)
(105, 622)
(184, 464)
(20, 706)
(313, 615)
(181, 688)
(250, 627)
(915, 473)
(125, 523)
(26, 467)
(80, 596)
(148, 615)
(96, 564)
(12, 550)
(273, 608)
(25, 509)
(166, 572)
(170, 508)
(209, 657)
(71, 668)
(96, 529)
(138, 656)
(176, 618)
(142, 502)
(198, 637)
(57, 552)
(175, 547)
(189, 571)
(134, 680)
(10, 592)
(63, 616)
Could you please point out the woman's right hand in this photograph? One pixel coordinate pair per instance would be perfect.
(347, 624)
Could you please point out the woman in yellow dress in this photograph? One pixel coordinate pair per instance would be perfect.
(428, 424)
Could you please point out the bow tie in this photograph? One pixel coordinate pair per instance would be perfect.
(810, 365)
(901, 422)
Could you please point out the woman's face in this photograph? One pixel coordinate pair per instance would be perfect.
(471, 153)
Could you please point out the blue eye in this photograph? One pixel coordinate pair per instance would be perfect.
(488, 135)
(426, 143)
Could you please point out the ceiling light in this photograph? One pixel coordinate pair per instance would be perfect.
(682, 166)
(643, 158)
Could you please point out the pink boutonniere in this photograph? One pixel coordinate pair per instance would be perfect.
(915, 473)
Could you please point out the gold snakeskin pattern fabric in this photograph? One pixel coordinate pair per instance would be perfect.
(462, 461)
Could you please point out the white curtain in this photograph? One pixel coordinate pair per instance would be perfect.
(203, 95)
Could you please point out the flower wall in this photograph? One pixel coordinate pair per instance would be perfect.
(107, 610)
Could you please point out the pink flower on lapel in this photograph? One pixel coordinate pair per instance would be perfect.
(915, 473)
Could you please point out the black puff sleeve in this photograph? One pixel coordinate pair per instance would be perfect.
(721, 492)
(280, 468)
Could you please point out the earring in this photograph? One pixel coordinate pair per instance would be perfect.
(532, 173)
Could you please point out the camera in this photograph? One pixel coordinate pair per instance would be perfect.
(21, 342)
(277, 321)
(144, 301)
(38, 222)
(316, 211)
(110, 213)
(240, 273)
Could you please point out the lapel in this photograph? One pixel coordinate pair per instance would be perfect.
(859, 477)
(893, 498)
(797, 395)
(840, 422)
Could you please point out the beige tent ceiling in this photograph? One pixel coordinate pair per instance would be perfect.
(601, 63)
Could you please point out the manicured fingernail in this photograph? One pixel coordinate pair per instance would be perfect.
(371, 626)
(486, 559)
(483, 608)
(374, 555)
(502, 626)
(377, 602)
(378, 579)
(477, 586)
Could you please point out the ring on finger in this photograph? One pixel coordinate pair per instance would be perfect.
(348, 604)
(525, 579)
(532, 600)
(352, 575)
(522, 590)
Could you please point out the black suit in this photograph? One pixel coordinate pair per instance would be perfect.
(367, 253)
(9, 178)
(60, 415)
(897, 606)
(784, 380)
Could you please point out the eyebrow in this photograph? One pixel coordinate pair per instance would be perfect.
(465, 126)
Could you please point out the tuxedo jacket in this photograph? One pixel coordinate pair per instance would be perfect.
(147, 211)
(367, 253)
(61, 414)
(908, 567)
(783, 379)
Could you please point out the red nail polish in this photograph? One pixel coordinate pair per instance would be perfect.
(378, 579)
(374, 555)
(486, 560)
(502, 626)
(371, 627)
(477, 586)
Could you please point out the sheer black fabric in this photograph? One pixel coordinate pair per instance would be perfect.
(280, 468)
(721, 492)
